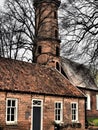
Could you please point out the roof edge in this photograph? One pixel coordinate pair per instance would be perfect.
(47, 94)
(71, 83)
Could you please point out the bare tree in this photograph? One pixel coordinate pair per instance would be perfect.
(20, 30)
(17, 36)
(79, 29)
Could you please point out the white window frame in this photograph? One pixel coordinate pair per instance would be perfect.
(61, 112)
(97, 102)
(88, 102)
(15, 108)
(76, 112)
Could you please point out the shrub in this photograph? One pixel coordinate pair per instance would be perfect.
(93, 121)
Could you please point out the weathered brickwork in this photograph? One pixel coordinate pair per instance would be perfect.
(24, 121)
(93, 112)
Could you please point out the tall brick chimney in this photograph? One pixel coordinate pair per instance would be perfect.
(47, 49)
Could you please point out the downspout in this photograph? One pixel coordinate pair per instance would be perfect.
(86, 122)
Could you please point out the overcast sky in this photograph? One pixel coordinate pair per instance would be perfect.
(1, 3)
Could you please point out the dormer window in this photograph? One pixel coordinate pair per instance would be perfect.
(57, 66)
(39, 49)
(57, 51)
(63, 72)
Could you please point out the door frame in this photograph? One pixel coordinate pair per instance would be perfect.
(41, 113)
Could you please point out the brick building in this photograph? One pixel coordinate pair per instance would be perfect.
(30, 94)
(80, 76)
(38, 96)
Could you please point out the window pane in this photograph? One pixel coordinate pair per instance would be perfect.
(9, 103)
(56, 33)
(8, 110)
(88, 102)
(39, 49)
(59, 105)
(36, 102)
(57, 66)
(97, 102)
(73, 117)
(58, 117)
(12, 111)
(74, 111)
(55, 117)
(12, 117)
(57, 51)
(59, 112)
(55, 105)
(13, 103)
(8, 117)
(56, 112)
(74, 105)
(55, 14)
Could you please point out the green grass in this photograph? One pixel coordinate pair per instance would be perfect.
(93, 121)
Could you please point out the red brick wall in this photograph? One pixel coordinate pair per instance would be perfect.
(25, 106)
(93, 112)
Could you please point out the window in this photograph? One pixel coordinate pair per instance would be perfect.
(57, 51)
(55, 14)
(39, 49)
(96, 102)
(63, 72)
(11, 110)
(58, 111)
(36, 103)
(57, 66)
(74, 111)
(56, 33)
(88, 102)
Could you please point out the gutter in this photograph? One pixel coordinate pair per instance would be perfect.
(91, 89)
(44, 94)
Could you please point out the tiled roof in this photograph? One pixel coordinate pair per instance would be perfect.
(78, 74)
(27, 77)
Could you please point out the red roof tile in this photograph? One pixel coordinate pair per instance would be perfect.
(28, 77)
